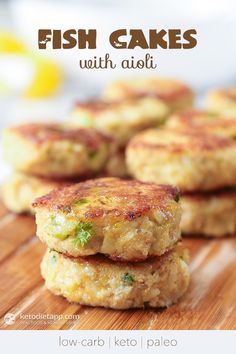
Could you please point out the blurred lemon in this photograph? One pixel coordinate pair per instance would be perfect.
(10, 44)
(47, 78)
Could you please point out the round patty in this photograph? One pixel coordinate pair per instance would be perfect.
(121, 119)
(126, 220)
(222, 101)
(55, 151)
(19, 191)
(209, 214)
(175, 94)
(205, 121)
(97, 281)
(191, 160)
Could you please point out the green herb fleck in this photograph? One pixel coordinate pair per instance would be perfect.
(128, 279)
(81, 201)
(92, 154)
(85, 121)
(67, 209)
(57, 225)
(177, 197)
(53, 220)
(83, 233)
(162, 122)
(53, 258)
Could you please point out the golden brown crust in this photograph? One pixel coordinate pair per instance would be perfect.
(41, 133)
(204, 121)
(114, 197)
(183, 140)
(123, 219)
(164, 89)
(97, 106)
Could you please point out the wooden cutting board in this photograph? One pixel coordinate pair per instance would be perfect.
(210, 302)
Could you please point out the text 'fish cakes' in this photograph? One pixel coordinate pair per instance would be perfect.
(126, 220)
(98, 281)
(210, 214)
(175, 94)
(121, 119)
(190, 160)
(20, 190)
(222, 101)
(205, 121)
(55, 151)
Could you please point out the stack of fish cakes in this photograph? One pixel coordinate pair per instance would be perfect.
(128, 107)
(197, 153)
(47, 156)
(212, 213)
(113, 243)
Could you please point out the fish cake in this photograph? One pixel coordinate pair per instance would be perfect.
(191, 160)
(205, 121)
(56, 151)
(98, 281)
(175, 94)
(222, 101)
(126, 220)
(210, 214)
(121, 119)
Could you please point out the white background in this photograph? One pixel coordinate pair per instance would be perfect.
(189, 342)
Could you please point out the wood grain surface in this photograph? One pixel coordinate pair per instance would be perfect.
(210, 302)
